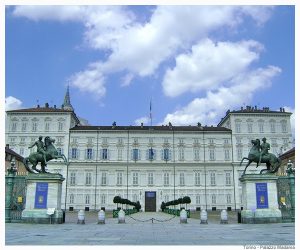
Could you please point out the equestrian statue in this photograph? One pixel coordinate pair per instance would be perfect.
(45, 152)
(259, 154)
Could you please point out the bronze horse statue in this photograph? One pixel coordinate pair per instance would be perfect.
(272, 162)
(35, 157)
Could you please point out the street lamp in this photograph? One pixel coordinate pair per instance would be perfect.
(9, 179)
(291, 176)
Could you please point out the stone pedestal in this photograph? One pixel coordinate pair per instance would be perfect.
(260, 200)
(43, 193)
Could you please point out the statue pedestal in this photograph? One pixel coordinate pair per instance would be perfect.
(43, 194)
(260, 199)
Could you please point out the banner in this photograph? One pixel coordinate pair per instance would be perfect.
(41, 194)
(262, 195)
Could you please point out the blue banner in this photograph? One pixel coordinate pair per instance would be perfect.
(262, 195)
(41, 194)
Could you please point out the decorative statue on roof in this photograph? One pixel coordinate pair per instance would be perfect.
(45, 152)
(259, 154)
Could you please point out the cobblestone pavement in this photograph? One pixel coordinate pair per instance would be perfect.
(163, 229)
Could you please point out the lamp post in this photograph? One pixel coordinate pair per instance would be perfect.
(291, 175)
(9, 179)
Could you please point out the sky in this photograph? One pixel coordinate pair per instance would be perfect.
(192, 63)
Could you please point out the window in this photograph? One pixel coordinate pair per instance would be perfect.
(166, 140)
(74, 153)
(238, 140)
(150, 178)
(238, 127)
(24, 126)
(34, 126)
(272, 126)
(166, 198)
(103, 179)
(135, 154)
(14, 127)
(181, 141)
(72, 178)
(119, 178)
(166, 154)
(151, 154)
(104, 154)
(196, 141)
(135, 198)
(198, 200)
(181, 179)
(88, 178)
(181, 154)
(261, 126)
(228, 198)
(211, 141)
(196, 154)
(120, 153)
(239, 153)
(47, 126)
(228, 179)
(226, 141)
(60, 126)
(104, 140)
(103, 199)
(22, 151)
(211, 154)
(250, 126)
(89, 153)
(87, 199)
(135, 179)
(71, 198)
(212, 178)
(59, 151)
(213, 199)
(120, 140)
(283, 126)
(197, 178)
(227, 155)
(166, 179)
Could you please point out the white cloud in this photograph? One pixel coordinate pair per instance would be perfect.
(208, 109)
(12, 103)
(145, 120)
(140, 48)
(209, 65)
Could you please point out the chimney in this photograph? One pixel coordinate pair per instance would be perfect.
(283, 110)
(46, 105)
(55, 106)
(242, 108)
(142, 124)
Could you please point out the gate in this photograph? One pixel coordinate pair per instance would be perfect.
(18, 197)
(284, 198)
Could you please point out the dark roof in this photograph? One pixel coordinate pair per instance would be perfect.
(254, 110)
(11, 152)
(156, 128)
(40, 109)
(288, 154)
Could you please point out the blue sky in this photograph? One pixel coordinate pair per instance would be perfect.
(194, 62)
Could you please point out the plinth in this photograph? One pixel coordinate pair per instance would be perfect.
(260, 199)
(43, 194)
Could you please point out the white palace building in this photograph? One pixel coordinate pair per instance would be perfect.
(135, 162)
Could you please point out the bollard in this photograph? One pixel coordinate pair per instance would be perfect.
(203, 217)
(183, 216)
(121, 216)
(224, 217)
(101, 217)
(81, 217)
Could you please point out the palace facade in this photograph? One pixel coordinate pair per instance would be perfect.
(136, 162)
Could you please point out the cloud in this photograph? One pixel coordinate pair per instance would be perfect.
(140, 48)
(12, 103)
(209, 65)
(208, 109)
(145, 120)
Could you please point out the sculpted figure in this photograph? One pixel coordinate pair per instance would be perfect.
(40, 147)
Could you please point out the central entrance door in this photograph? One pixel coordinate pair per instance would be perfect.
(150, 201)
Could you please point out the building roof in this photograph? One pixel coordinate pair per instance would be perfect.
(13, 153)
(45, 109)
(156, 128)
(253, 110)
(288, 154)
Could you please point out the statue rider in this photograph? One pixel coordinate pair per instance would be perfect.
(265, 147)
(40, 147)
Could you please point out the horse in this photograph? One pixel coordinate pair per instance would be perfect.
(272, 162)
(35, 157)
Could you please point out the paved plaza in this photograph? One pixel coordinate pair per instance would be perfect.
(150, 232)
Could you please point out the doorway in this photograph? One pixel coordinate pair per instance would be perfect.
(150, 201)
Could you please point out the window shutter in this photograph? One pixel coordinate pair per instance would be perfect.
(162, 154)
(139, 154)
(170, 154)
(154, 154)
